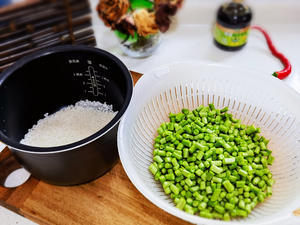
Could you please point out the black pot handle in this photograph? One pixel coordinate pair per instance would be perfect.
(12, 174)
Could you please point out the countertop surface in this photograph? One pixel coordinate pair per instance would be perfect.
(190, 38)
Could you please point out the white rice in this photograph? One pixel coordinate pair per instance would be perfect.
(70, 124)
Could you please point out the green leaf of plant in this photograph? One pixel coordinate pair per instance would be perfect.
(141, 4)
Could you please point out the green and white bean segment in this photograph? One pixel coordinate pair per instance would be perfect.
(212, 165)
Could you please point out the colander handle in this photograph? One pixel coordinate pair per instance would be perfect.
(12, 174)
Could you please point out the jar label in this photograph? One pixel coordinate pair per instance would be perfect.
(230, 37)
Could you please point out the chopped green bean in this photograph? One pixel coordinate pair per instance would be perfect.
(230, 160)
(228, 186)
(153, 168)
(216, 169)
(211, 164)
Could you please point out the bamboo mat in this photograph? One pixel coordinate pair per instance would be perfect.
(34, 25)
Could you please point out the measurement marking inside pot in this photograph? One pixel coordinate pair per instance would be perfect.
(95, 87)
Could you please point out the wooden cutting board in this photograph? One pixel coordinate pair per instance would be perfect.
(110, 200)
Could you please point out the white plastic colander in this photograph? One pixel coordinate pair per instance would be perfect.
(263, 101)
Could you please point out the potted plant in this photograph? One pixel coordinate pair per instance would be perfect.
(138, 24)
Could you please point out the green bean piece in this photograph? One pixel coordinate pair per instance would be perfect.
(170, 176)
(256, 180)
(187, 143)
(216, 194)
(185, 153)
(242, 172)
(153, 168)
(230, 160)
(202, 185)
(199, 172)
(250, 129)
(189, 182)
(240, 184)
(189, 209)
(229, 206)
(181, 203)
(175, 163)
(217, 163)
(174, 189)
(158, 159)
(216, 169)
(242, 204)
(198, 196)
(270, 160)
(220, 209)
(217, 179)
(226, 217)
(208, 190)
(224, 110)
(186, 173)
(206, 214)
(228, 186)
(185, 111)
(168, 165)
(241, 212)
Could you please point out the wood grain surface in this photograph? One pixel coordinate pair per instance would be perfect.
(110, 200)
